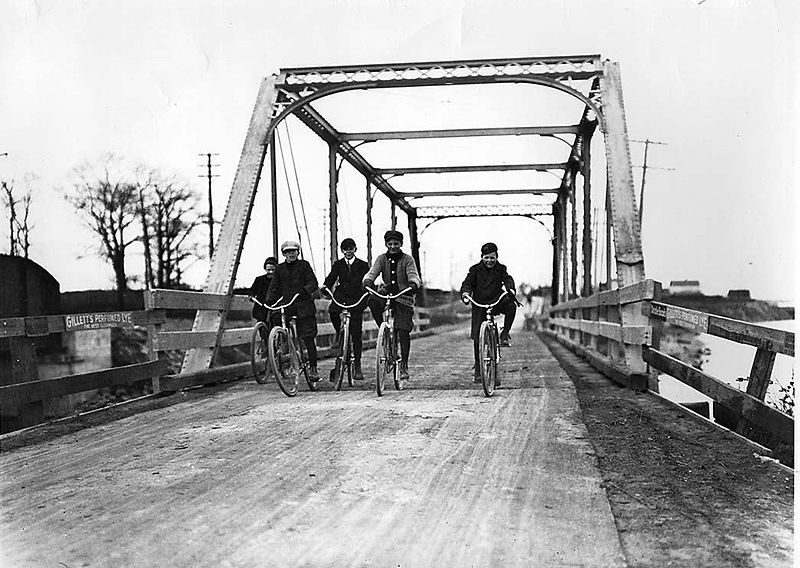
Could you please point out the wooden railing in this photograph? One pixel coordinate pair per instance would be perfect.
(23, 393)
(158, 301)
(618, 332)
(609, 329)
(748, 409)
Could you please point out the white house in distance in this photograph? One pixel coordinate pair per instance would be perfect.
(684, 287)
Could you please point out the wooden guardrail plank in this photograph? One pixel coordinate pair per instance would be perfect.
(20, 393)
(185, 300)
(746, 406)
(37, 326)
(777, 340)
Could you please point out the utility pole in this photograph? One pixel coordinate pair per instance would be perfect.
(647, 143)
(209, 175)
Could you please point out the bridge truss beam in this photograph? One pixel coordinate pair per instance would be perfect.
(519, 210)
(468, 192)
(460, 169)
(460, 132)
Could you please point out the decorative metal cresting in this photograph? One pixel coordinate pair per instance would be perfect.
(575, 75)
(588, 78)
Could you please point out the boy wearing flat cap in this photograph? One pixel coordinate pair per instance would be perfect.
(295, 276)
(398, 271)
(260, 287)
(485, 281)
(348, 272)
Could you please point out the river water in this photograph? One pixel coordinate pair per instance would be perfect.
(727, 361)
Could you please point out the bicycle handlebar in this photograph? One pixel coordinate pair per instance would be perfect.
(388, 296)
(275, 307)
(487, 306)
(344, 307)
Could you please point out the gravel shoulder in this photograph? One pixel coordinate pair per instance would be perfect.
(683, 492)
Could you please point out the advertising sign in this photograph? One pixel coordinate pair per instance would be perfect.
(78, 322)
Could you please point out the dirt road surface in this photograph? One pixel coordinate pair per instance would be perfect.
(559, 468)
(436, 475)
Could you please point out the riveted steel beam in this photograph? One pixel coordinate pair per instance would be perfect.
(456, 169)
(462, 192)
(524, 210)
(461, 132)
(311, 118)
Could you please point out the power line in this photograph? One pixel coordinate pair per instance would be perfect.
(299, 193)
(210, 219)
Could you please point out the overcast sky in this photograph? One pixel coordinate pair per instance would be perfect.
(159, 82)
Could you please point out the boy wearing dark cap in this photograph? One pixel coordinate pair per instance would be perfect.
(260, 286)
(398, 271)
(485, 282)
(348, 271)
(295, 276)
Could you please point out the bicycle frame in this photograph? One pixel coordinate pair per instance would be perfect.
(344, 359)
(386, 345)
(287, 384)
(489, 346)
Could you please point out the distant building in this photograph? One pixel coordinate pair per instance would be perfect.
(684, 287)
(743, 294)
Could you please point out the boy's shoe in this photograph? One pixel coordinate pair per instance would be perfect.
(358, 374)
(505, 340)
(476, 378)
(402, 374)
(313, 375)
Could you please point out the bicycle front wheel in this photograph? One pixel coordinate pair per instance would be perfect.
(283, 360)
(259, 353)
(302, 362)
(487, 340)
(384, 357)
(344, 361)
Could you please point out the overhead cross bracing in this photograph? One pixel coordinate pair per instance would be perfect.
(521, 210)
(591, 81)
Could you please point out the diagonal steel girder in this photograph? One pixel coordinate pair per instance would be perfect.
(311, 118)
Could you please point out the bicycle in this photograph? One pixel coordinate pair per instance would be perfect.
(344, 359)
(488, 345)
(386, 356)
(287, 355)
(259, 352)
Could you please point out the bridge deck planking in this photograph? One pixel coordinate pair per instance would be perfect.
(336, 479)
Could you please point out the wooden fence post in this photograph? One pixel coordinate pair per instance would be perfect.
(153, 329)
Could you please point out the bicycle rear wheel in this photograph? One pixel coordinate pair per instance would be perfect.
(384, 357)
(344, 360)
(487, 341)
(283, 360)
(259, 353)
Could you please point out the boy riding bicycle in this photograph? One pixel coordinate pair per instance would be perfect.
(295, 276)
(398, 271)
(485, 281)
(260, 288)
(349, 273)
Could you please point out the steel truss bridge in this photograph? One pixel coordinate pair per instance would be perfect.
(588, 78)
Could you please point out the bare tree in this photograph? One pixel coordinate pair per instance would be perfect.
(107, 202)
(169, 213)
(19, 209)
